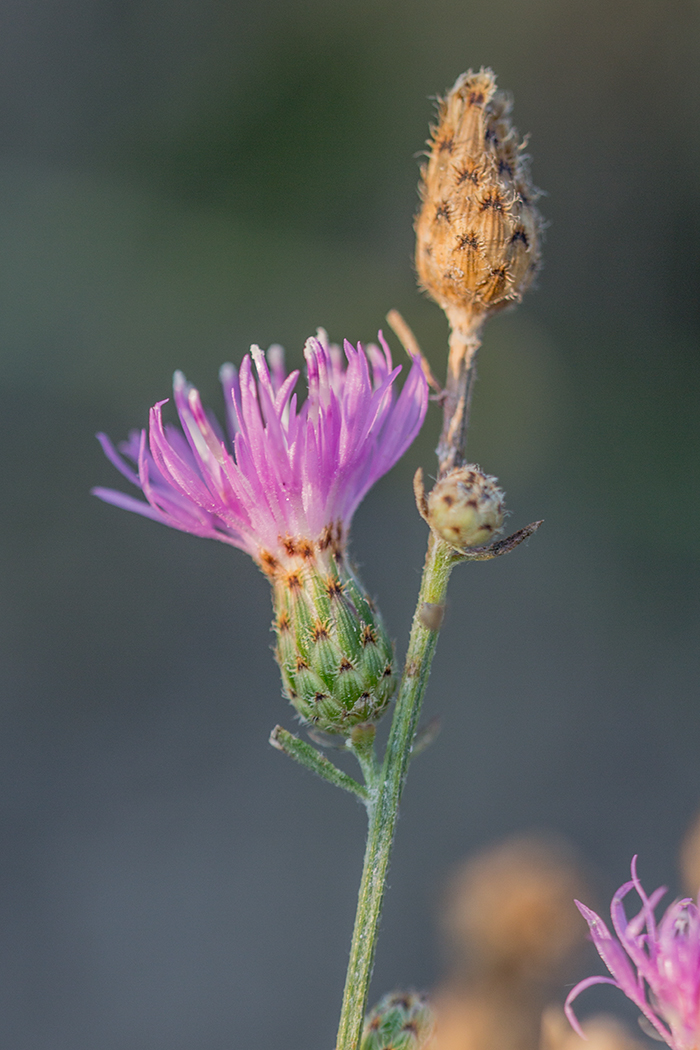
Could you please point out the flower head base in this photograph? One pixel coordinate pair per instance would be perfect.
(283, 486)
(656, 965)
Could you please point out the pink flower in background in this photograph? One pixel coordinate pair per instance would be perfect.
(284, 473)
(656, 965)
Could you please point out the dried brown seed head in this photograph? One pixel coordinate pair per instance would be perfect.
(478, 231)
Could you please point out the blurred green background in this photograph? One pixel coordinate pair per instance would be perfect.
(177, 180)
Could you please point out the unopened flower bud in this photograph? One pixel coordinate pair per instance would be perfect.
(399, 1021)
(465, 508)
(478, 230)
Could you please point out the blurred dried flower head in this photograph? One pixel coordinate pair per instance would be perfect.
(602, 1033)
(485, 1018)
(690, 858)
(478, 231)
(510, 913)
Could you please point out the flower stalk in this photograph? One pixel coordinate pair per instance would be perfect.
(461, 371)
(385, 795)
(385, 790)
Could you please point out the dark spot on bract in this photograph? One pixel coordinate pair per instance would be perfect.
(334, 587)
(492, 200)
(268, 563)
(468, 240)
(467, 175)
(332, 536)
(289, 544)
(319, 631)
(369, 636)
(324, 540)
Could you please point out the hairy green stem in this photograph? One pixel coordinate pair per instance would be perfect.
(384, 799)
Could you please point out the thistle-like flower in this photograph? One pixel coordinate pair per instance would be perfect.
(283, 486)
(656, 965)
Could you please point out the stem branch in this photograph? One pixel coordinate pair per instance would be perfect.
(308, 756)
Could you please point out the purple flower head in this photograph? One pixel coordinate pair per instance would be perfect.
(284, 478)
(656, 965)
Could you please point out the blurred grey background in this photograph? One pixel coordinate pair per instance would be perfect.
(177, 180)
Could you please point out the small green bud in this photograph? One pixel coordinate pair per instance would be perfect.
(399, 1021)
(465, 508)
(334, 654)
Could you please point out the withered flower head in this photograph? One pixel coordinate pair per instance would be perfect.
(478, 230)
